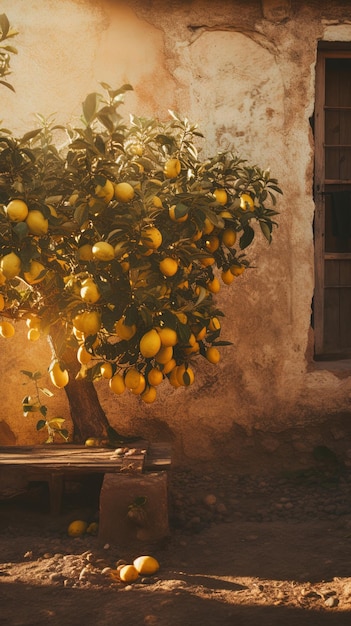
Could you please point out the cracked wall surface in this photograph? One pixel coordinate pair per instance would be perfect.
(247, 78)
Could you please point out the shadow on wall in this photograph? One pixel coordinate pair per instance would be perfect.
(7, 436)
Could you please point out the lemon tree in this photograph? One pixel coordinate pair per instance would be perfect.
(117, 248)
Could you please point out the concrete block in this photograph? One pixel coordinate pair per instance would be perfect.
(122, 521)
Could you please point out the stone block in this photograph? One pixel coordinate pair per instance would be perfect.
(122, 521)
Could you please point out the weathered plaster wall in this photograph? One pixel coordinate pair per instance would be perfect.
(249, 83)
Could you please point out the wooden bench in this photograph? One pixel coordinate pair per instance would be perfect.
(56, 463)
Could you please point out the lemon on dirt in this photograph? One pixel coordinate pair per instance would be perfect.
(168, 336)
(105, 191)
(37, 223)
(35, 274)
(172, 168)
(17, 210)
(155, 377)
(146, 565)
(117, 384)
(150, 343)
(92, 442)
(221, 196)
(77, 528)
(168, 266)
(128, 573)
(124, 192)
(7, 329)
(10, 265)
(59, 377)
(123, 330)
(149, 395)
(89, 291)
(103, 251)
(213, 355)
(151, 237)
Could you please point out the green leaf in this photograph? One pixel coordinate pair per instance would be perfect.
(247, 237)
(41, 424)
(90, 106)
(266, 230)
(27, 373)
(43, 410)
(4, 26)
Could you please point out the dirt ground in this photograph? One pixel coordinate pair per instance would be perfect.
(232, 572)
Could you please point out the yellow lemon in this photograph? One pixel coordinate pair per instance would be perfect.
(168, 336)
(117, 384)
(177, 216)
(33, 334)
(213, 355)
(85, 252)
(103, 251)
(140, 387)
(128, 573)
(59, 377)
(237, 270)
(214, 324)
(124, 192)
(6, 329)
(106, 370)
(213, 285)
(164, 354)
(77, 528)
(2, 302)
(246, 202)
(149, 395)
(221, 196)
(10, 265)
(229, 237)
(185, 375)
(212, 243)
(151, 237)
(35, 274)
(132, 378)
(123, 330)
(146, 565)
(17, 210)
(155, 377)
(208, 227)
(150, 343)
(227, 277)
(83, 355)
(168, 266)
(89, 291)
(105, 191)
(172, 168)
(37, 224)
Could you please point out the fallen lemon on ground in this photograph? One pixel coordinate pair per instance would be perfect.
(128, 573)
(146, 565)
(77, 528)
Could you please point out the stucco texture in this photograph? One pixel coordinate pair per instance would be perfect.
(249, 84)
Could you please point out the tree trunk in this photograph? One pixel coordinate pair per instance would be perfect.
(88, 416)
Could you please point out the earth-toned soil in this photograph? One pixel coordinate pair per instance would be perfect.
(244, 550)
